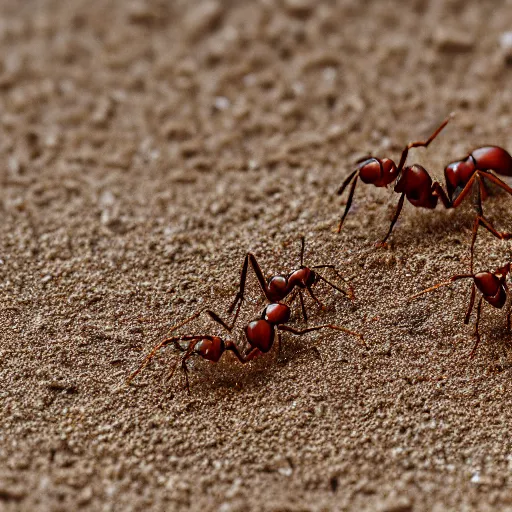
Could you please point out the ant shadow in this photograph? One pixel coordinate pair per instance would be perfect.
(437, 225)
(228, 374)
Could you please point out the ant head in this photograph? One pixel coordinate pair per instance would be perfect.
(210, 348)
(377, 172)
(303, 278)
(492, 287)
(488, 283)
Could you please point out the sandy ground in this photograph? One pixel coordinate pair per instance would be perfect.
(144, 148)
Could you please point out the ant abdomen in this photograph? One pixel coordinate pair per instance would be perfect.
(416, 184)
(260, 334)
(493, 158)
(378, 172)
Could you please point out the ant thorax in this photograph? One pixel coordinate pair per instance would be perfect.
(277, 314)
(260, 334)
(278, 287)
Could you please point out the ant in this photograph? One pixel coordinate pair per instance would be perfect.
(493, 289)
(468, 175)
(260, 334)
(278, 287)
(415, 184)
(412, 182)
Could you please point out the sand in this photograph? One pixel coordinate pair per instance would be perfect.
(145, 147)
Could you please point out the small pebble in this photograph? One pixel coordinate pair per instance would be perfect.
(450, 41)
(222, 103)
(299, 7)
(506, 46)
(397, 504)
(202, 18)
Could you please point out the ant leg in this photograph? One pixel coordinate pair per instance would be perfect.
(350, 195)
(345, 183)
(249, 258)
(167, 341)
(185, 371)
(181, 324)
(184, 359)
(315, 298)
(477, 205)
(302, 244)
(469, 186)
(395, 218)
(491, 177)
(509, 314)
(173, 371)
(425, 144)
(471, 304)
(146, 361)
(350, 293)
(303, 307)
(216, 318)
(193, 340)
(477, 331)
(300, 332)
(291, 299)
(240, 294)
(480, 219)
(444, 283)
(438, 190)
(254, 352)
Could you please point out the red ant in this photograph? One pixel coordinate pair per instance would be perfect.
(468, 174)
(260, 334)
(493, 288)
(278, 287)
(415, 184)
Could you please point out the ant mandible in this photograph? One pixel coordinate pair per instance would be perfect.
(415, 184)
(493, 289)
(278, 287)
(260, 334)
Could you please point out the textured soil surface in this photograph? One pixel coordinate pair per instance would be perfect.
(145, 147)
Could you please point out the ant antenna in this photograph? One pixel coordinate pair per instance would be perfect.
(302, 244)
(167, 340)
